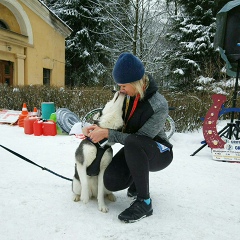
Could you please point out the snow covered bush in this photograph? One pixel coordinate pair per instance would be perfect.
(189, 107)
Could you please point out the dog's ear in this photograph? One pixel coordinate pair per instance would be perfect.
(96, 122)
(96, 116)
(116, 95)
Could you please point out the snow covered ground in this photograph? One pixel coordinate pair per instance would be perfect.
(195, 198)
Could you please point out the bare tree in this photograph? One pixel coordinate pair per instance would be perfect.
(136, 26)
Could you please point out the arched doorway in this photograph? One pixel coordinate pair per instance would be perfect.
(6, 72)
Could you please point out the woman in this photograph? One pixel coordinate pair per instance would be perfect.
(145, 144)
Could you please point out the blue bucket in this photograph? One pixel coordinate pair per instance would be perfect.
(47, 109)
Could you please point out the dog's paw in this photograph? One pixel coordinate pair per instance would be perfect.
(84, 199)
(76, 198)
(111, 197)
(103, 208)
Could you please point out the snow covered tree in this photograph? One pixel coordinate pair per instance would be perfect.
(49, 3)
(87, 54)
(136, 26)
(191, 53)
(102, 29)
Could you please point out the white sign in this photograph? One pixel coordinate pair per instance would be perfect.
(9, 116)
(221, 154)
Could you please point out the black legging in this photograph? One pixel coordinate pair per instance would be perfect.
(133, 162)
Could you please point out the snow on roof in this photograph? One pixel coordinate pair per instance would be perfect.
(69, 30)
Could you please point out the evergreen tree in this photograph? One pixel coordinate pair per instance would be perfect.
(87, 56)
(50, 3)
(191, 39)
(102, 29)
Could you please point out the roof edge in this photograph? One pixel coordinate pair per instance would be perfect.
(41, 9)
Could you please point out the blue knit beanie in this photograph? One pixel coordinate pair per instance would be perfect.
(127, 69)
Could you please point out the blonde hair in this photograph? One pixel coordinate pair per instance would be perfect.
(141, 85)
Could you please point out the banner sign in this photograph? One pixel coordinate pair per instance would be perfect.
(230, 152)
(9, 116)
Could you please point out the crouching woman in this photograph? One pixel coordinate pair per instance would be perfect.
(145, 145)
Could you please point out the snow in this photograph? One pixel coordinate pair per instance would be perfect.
(179, 71)
(204, 80)
(194, 198)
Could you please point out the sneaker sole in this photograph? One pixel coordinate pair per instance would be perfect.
(133, 221)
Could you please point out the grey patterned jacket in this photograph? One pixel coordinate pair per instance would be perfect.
(148, 119)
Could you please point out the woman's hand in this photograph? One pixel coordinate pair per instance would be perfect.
(96, 133)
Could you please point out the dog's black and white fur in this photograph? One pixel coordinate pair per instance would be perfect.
(84, 186)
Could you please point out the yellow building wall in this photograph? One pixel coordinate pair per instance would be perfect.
(11, 21)
(12, 42)
(47, 50)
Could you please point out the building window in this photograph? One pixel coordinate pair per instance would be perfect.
(7, 69)
(3, 24)
(6, 72)
(46, 76)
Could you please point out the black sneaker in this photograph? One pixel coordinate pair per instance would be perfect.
(137, 210)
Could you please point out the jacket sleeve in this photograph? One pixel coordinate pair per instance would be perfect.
(116, 136)
(154, 125)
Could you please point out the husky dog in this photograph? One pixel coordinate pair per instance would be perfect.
(83, 185)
